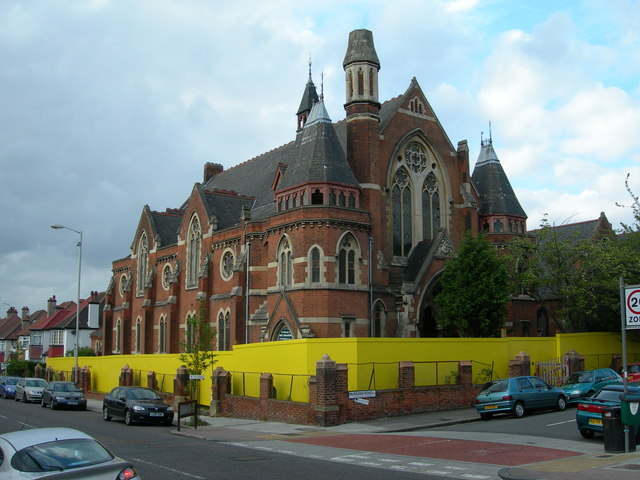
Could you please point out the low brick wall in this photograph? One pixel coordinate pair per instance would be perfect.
(329, 397)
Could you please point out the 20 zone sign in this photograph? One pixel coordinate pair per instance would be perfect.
(632, 302)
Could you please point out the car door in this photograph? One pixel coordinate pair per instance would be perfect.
(545, 396)
(119, 402)
(525, 392)
(19, 388)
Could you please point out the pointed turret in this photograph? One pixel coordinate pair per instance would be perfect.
(318, 156)
(500, 210)
(361, 66)
(309, 98)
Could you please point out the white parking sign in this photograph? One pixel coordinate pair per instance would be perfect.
(632, 306)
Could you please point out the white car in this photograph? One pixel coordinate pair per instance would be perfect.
(30, 389)
(59, 453)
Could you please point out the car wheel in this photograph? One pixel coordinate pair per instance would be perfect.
(127, 417)
(105, 414)
(42, 404)
(52, 405)
(486, 416)
(16, 398)
(24, 398)
(587, 433)
(518, 410)
(562, 403)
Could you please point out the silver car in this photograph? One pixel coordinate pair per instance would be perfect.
(30, 389)
(45, 452)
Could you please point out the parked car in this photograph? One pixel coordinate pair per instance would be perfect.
(589, 411)
(29, 389)
(136, 404)
(518, 395)
(8, 387)
(59, 453)
(63, 394)
(633, 372)
(584, 384)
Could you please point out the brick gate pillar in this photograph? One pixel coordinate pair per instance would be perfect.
(520, 365)
(326, 407)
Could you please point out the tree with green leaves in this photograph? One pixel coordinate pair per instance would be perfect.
(475, 291)
(198, 354)
(574, 278)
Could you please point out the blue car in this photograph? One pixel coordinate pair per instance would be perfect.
(580, 385)
(518, 395)
(589, 411)
(8, 387)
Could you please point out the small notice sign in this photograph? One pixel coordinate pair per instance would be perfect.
(196, 377)
(363, 401)
(362, 394)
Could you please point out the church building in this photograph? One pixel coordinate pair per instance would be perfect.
(342, 232)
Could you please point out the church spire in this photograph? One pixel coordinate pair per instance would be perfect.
(309, 98)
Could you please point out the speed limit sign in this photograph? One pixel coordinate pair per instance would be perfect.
(632, 306)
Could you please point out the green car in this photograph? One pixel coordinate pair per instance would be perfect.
(581, 385)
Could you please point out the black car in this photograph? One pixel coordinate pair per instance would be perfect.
(63, 394)
(136, 404)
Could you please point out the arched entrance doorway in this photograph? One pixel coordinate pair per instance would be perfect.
(427, 322)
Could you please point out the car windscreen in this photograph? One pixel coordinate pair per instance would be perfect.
(35, 383)
(608, 396)
(11, 381)
(580, 377)
(60, 455)
(495, 387)
(142, 394)
(65, 387)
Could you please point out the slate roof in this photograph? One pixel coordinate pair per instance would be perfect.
(69, 321)
(226, 207)
(361, 48)
(587, 230)
(492, 184)
(166, 225)
(309, 97)
(318, 155)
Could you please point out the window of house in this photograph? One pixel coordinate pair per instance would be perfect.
(194, 240)
(57, 337)
(341, 199)
(167, 273)
(143, 259)
(498, 226)
(162, 336)
(315, 265)
(224, 331)
(118, 331)
(348, 327)
(347, 260)
(138, 335)
(36, 339)
(285, 262)
(352, 200)
(378, 320)
(416, 197)
(226, 264)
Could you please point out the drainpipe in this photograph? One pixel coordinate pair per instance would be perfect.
(371, 332)
(246, 295)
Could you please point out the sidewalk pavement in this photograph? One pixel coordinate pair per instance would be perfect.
(408, 444)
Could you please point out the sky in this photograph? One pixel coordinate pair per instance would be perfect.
(108, 105)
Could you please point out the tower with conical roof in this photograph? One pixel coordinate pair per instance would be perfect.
(309, 98)
(361, 67)
(500, 211)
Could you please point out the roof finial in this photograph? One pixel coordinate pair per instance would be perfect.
(322, 86)
(309, 66)
(490, 137)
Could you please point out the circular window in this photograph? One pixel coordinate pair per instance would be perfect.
(167, 273)
(226, 265)
(122, 287)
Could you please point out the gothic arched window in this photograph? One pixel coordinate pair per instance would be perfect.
(285, 263)
(138, 335)
(315, 265)
(194, 240)
(430, 207)
(347, 255)
(118, 335)
(162, 336)
(402, 216)
(143, 260)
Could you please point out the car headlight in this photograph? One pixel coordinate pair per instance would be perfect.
(138, 408)
(32, 392)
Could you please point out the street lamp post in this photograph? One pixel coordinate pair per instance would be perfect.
(75, 349)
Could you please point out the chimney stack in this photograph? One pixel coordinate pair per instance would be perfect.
(211, 170)
(11, 312)
(51, 306)
(25, 317)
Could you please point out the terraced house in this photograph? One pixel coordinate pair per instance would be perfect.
(343, 232)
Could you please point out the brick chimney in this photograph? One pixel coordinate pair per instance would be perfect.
(51, 306)
(211, 170)
(25, 317)
(93, 315)
(11, 312)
